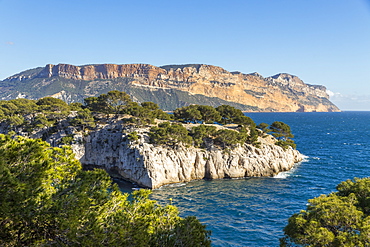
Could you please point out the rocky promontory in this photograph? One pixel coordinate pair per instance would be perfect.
(145, 145)
(170, 86)
(153, 166)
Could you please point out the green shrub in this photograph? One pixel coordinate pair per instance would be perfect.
(67, 140)
(169, 134)
(338, 219)
(202, 133)
(48, 200)
(133, 136)
(227, 138)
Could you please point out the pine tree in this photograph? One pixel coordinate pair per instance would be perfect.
(341, 218)
(48, 200)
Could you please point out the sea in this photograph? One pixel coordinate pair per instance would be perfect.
(254, 211)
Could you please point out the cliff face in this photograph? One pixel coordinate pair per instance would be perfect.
(153, 166)
(107, 146)
(180, 84)
(100, 71)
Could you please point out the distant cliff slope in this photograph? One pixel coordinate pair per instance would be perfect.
(170, 86)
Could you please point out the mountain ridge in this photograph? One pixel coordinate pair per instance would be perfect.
(181, 84)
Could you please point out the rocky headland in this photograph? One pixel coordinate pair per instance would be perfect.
(152, 166)
(170, 86)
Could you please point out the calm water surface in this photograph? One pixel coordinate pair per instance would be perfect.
(253, 211)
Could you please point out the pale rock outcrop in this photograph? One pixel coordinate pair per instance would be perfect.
(153, 166)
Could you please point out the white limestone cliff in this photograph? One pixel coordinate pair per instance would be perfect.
(153, 166)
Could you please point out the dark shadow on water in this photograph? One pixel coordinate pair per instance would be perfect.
(125, 186)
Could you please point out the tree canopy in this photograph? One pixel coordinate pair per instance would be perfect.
(341, 218)
(197, 113)
(169, 134)
(116, 102)
(227, 138)
(282, 132)
(201, 133)
(49, 114)
(48, 200)
(188, 114)
(112, 102)
(264, 127)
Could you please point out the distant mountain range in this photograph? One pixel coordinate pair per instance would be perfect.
(170, 86)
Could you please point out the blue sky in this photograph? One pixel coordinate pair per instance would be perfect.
(324, 42)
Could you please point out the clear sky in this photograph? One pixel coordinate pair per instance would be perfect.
(324, 42)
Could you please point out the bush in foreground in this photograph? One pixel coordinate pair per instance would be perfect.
(48, 200)
(341, 218)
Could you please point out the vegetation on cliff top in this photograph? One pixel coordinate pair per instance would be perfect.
(48, 200)
(23, 115)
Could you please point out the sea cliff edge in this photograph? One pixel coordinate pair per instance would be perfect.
(153, 166)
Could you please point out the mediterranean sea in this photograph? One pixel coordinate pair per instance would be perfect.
(254, 211)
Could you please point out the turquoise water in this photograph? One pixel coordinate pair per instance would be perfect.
(254, 211)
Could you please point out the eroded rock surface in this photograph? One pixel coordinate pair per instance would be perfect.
(171, 86)
(153, 166)
(107, 146)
